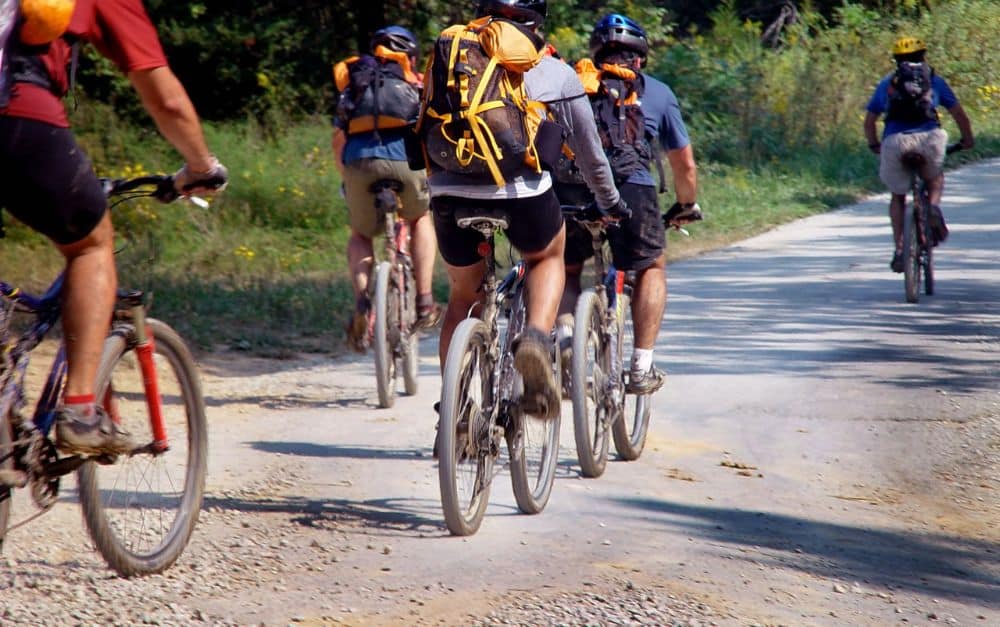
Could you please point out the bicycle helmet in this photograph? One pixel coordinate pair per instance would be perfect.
(619, 32)
(396, 38)
(528, 12)
(908, 45)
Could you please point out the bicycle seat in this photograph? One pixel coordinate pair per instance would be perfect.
(383, 184)
(912, 160)
(479, 219)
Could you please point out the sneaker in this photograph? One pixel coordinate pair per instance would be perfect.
(938, 229)
(90, 435)
(533, 360)
(897, 261)
(428, 317)
(357, 332)
(643, 383)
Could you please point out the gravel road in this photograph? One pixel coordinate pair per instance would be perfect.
(822, 454)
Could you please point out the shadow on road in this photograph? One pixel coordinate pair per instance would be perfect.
(941, 565)
(310, 449)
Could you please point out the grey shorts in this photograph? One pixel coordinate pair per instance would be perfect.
(930, 144)
(358, 178)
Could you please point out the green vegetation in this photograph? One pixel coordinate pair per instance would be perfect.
(777, 133)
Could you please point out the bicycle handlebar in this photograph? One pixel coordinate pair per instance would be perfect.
(163, 184)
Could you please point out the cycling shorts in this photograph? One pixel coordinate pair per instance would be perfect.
(361, 174)
(636, 243)
(47, 182)
(931, 144)
(534, 222)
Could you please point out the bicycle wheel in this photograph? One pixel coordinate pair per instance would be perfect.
(465, 458)
(911, 257)
(6, 463)
(411, 354)
(386, 330)
(591, 369)
(533, 445)
(629, 428)
(141, 510)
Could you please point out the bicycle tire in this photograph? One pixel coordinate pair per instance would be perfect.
(629, 429)
(99, 486)
(465, 472)
(386, 300)
(6, 463)
(533, 446)
(911, 257)
(411, 356)
(590, 369)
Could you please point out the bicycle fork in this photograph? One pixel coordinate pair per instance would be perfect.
(145, 350)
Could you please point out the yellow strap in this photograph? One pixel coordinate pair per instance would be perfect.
(479, 128)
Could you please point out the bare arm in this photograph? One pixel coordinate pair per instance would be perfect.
(170, 107)
(337, 144)
(871, 132)
(685, 173)
(964, 125)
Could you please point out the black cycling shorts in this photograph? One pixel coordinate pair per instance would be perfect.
(534, 222)
(47, 182)
(636, 243)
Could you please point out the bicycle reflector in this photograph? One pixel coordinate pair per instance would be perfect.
(484, 249)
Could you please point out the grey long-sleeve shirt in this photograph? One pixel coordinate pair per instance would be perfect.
(556, 84)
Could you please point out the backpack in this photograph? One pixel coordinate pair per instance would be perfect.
(377, 92)
(476, 118)
(26, 30)
(911, 98)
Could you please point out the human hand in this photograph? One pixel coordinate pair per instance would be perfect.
(188, 181)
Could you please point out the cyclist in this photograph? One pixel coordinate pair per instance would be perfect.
(366, 157)
(909, 97)
(638, 243)
(536, 224)
(47, 182)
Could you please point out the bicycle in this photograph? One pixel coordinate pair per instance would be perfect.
(480, 401)
(918, 246)
(394, 298)
(148, 381)
(602, 337)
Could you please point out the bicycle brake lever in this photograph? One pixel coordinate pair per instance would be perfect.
(198, 201)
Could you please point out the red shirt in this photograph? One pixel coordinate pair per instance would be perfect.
(121, 31)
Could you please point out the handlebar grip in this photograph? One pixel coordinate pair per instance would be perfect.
(213, 182)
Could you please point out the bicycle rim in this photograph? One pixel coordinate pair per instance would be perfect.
(465, 458)
(591, 369)
(141, 510)
(533, 445)
(386, 303)
(629, 429)
(911, 257)
(6, 463)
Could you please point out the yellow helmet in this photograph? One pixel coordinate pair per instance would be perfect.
(908, 45)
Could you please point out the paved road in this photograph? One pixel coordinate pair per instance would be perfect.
(823, 453)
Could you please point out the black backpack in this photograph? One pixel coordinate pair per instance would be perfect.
(911, 97)
(374, 95)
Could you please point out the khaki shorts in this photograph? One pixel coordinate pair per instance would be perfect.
(930, 144)
(358, 179)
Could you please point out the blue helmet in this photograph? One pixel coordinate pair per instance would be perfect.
(396, 38)
(617, 32)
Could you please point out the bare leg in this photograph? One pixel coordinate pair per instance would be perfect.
(360, 257)
(648, 302)
(935, 188)
(464, 283)
(572, 289)
(88, 302)
(423, 246)
(896, 206)
(545, 280)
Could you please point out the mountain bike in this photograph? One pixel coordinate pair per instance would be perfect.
(480, 402)
(394, 298)
(140, 508)
(602, 337)
(918, 247)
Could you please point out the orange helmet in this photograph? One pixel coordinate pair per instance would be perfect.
(908, 45)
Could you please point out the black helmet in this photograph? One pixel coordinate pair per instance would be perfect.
(395, 38)
(616, 31)
(527, 12)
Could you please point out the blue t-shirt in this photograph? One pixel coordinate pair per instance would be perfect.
(389, 146)
(663, 122)
(942, 96)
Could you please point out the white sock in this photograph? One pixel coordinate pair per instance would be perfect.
(563, 331)
(642, 359)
